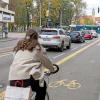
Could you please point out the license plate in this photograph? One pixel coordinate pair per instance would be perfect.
(46, 39)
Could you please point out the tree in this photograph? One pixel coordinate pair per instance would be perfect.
(68, 9)
(79, 8)
(54, 12)
(21, 11)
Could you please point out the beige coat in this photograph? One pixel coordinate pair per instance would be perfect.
(25, 60)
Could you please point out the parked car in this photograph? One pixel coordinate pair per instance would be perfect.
(87, 34)
(94, 33)
(76, 36)
(54, 38)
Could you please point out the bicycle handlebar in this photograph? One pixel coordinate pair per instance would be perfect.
(56, 69)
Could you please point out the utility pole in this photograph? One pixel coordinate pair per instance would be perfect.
(60, 17)
(49, 19)
(28, 15)
(98, 9)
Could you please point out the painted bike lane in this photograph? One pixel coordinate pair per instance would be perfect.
(79, 75)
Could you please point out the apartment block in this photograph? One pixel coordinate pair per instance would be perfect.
(6, 15)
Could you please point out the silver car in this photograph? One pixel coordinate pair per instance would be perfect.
(94, 33)
(54, 38)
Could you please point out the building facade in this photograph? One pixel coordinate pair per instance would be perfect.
(6, 15)
(97, 20)
(87, 20)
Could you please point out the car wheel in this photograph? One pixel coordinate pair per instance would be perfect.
(91, 37)
(69, 46)
(62, 47)
(84, 40)
(96, 37)
(81, 40)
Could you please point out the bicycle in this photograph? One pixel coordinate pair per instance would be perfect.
(32, 94)
(47, 74)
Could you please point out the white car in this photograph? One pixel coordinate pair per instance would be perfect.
(94, 33)
(54, 38)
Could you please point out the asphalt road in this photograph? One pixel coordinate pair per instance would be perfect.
(79, 75)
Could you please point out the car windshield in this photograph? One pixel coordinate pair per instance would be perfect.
(48, 32)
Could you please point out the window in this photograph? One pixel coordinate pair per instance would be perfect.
(74, 33)
(48, 32)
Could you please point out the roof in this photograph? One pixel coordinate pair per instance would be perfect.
(97, 18)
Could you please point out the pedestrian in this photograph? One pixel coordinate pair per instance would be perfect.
(30, 55)
(5, 31)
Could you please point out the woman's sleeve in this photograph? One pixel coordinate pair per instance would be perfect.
(42, 57)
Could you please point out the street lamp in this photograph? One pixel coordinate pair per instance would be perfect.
(61, 16)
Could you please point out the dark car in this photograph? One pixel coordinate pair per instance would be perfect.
(76, 36)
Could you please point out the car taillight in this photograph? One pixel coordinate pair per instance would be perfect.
(56, 37)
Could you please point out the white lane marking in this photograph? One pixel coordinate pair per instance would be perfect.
(74, 48)
(83, 45)
(10, 53)
(6, 48)
(5, 54)
(92, 61)
(58, 56)
(78, 47)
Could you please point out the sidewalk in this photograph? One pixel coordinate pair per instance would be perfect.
(12, 36)
(16, 35)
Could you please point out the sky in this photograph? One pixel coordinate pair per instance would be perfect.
(93, 4)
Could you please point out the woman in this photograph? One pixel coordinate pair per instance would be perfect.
(29, 55)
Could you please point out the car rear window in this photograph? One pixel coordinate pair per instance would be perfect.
(74, 33)
(48, 32)
(87, 32)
